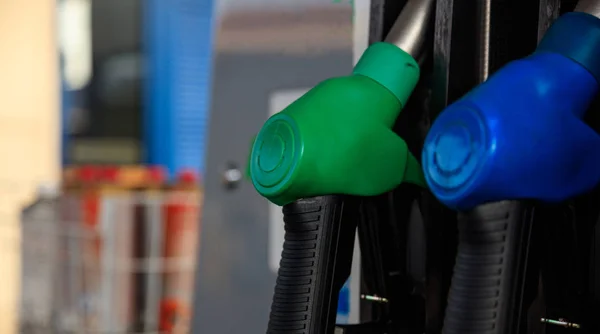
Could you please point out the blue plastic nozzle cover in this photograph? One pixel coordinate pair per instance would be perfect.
(520, 135)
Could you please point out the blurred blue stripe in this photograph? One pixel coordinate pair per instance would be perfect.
(178, 45)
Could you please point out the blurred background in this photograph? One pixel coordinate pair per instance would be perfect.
(125, 126)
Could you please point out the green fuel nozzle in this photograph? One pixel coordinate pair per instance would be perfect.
(338, 138)
(334, 141)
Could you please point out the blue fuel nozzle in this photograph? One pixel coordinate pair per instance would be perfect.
(520, 134)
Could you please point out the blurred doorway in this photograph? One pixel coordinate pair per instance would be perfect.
(259, 51)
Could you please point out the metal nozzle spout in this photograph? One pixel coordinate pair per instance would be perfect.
(409, 32)
(589, 6)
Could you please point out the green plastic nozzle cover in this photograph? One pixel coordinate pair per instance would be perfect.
(338, 138)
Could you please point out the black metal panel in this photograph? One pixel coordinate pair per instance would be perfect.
(571, 290)
(383, 231)
(393, 263)
(462, 52)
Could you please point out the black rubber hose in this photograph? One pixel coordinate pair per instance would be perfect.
(315, 263)
(486, 294)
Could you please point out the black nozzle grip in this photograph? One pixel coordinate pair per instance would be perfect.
(315, 263)
(486, 291)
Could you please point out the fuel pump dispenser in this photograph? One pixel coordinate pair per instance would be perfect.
(506, 158)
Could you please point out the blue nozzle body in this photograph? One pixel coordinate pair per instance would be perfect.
(520, 134)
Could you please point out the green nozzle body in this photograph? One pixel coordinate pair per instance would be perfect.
(338, 138)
